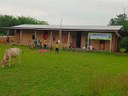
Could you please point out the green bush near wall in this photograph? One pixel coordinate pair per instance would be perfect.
(123, 50)
(124, 44)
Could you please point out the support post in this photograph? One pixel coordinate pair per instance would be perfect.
(60, 33)
(50, 39)
(110, 46)
(88, 41)
(8, 33)
(68, 43)
(35, 34)
(21, 36)
(15, 36)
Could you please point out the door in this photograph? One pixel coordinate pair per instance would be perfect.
(78, 39)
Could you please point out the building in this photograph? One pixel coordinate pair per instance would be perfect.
(86, 37)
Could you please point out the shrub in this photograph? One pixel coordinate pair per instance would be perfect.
(123, 50)
(124, 44)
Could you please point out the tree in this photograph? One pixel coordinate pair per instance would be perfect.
(29, 20)
(122, 19)
(7, 21)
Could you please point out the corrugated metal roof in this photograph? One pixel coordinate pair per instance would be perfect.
(67, 27)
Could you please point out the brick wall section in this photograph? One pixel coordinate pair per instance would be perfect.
(27, 35)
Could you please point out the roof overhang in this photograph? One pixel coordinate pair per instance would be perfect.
(68, 28)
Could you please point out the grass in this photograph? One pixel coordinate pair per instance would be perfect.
(65, 74)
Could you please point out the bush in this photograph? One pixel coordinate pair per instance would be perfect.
(123, 50)
(124, 44)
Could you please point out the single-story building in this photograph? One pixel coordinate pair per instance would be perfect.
(86, 37)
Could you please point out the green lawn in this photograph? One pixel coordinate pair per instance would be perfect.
(65, 74)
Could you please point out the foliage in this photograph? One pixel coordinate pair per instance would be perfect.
(123, 50)
(7, 21)
(64, 74)
(124, 43)
(121, 19)
(29, 20)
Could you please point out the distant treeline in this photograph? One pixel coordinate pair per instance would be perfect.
(7, 21)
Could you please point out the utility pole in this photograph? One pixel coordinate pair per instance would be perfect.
(60, 32)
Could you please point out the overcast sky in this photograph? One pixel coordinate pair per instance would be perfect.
(73, 12)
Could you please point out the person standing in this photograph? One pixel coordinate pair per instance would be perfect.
(29, 44)
(35, 43)
(57, 47)
(45, 44)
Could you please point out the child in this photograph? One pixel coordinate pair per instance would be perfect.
(45, 44)
(29, 44)
(57, 47)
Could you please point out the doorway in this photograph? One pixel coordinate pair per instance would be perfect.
(78, 40)
(33, 37)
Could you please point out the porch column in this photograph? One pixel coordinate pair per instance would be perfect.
(60, 37)
(8, 33)
(21, 37)
(35, 34)
(110, 46)
(15, 36)
(60, 33)
(88, 41)
(68, 43)
(15, 32)
(50, 39)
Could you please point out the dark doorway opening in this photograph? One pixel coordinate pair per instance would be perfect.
(33, 37)
(78, 40)
(102, 44)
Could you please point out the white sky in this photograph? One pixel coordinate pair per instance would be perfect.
(73, 12)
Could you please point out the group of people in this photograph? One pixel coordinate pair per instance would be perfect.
(37, 44)
(42, 44)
